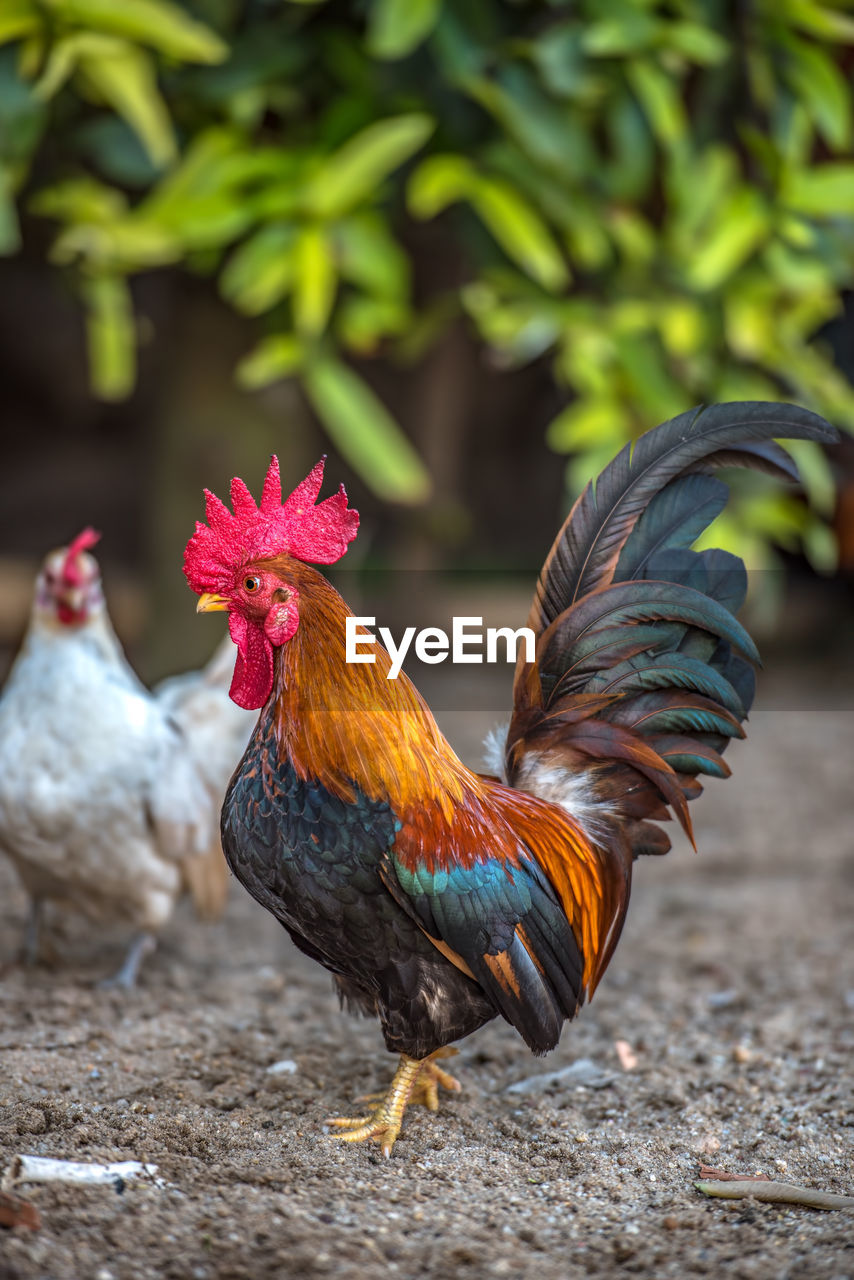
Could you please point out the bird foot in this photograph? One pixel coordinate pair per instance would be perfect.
(127, 975)
(425, 1090)
(416, 1080)
(32, 943)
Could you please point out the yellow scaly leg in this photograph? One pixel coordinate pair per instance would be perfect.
(416, 1080)
(425, 1091)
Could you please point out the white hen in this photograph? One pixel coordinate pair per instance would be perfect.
(109, 795)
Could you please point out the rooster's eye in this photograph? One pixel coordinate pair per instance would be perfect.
(251, 584)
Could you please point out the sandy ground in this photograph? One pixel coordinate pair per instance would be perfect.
(733, 984)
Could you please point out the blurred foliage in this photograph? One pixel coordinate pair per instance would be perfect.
(658, 198)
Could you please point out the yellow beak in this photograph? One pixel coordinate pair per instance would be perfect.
(210, 603)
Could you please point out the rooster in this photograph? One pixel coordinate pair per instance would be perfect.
(109, 795)
(438, 897)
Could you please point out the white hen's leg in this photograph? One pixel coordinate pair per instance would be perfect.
(142, 946)
(32, 934)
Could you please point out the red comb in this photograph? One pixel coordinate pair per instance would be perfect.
(255, 531)
(70, 569)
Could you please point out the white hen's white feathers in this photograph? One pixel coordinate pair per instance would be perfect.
(217, 728)
(109, 796)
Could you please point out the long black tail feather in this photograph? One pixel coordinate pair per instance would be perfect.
(636, 630)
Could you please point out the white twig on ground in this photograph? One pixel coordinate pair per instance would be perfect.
(46, 1169)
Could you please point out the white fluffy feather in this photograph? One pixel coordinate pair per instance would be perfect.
(541, 777)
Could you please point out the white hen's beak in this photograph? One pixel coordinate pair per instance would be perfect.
(211, 603)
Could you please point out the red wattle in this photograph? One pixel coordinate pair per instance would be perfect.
(252, 682)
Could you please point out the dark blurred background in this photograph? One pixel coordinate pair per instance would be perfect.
(468, 248)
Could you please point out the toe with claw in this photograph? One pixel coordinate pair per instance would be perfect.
(416, 1080)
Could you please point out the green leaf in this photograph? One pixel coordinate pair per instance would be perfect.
(18, 18)
(661, 99)
(260, 273)
(362, 322)
(683, 326)
(633, 166)
(199, 173)
(778, 515)
(698, 188)
(632, 234)
(825, 190)
(549, 133)
(369, 256)
(559, 57)
(827, 23)
(353, 173)
(820, 84)
(202, 199)
(821, 547)
(586, 423)
(364, 432)
(515, 224)
(586, 238)
(794, 138)
(278, 356)
(124, 77)
(159, 23)
(629, 31)
(62, 61)
(816, 475)
(10, 233)
(110, 335)
(588, 353)
(119, 74)
(109, 144)
(802, 274)
(738, 383)
(521, 331)
(129, 244)
(315, 281)
(438, 182)
(79, 200)
(396, 27)
(520, 231)
(22, 116)
(651, 386)
(699, 44)
(741, 226)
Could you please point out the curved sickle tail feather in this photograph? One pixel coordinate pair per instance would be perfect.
(642, 673)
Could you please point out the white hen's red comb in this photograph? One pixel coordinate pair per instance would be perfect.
(71, 574)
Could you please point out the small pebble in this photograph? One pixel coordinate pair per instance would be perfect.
(721, 999)
(284, 1067)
